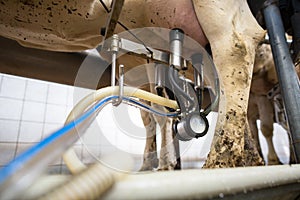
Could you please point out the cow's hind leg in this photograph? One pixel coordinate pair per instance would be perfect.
(150, 160)
(267, 131)
(253, 115)
(169, 152)
(233, 34)
(266, 113)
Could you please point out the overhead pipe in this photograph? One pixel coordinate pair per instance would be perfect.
(287, 77)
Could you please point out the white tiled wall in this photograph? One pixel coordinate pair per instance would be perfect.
(29, 110)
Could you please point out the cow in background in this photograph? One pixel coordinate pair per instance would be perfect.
(265, 103)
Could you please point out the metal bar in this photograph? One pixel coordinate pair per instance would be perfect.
(137, 49)
(288, 79)
(111, 24)
(263, 182)
(113, 18)
(113, 68)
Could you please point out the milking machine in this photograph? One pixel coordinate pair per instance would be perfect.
(191, 121)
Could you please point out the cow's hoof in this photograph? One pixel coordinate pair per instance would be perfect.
(149, 165)
(274, 162)
(146, 168)
(166, 167)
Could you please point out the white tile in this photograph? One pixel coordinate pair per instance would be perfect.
(68, 110)
(57, 94)
(30, 132)
(79, 93)
(9, 130)
(49, 129)
(33, 111)
(55, 114)
(1, 76)
(7, 152)
(70, 97)
(23, 147)
(13, 87)
(10, 108)
(36, 91)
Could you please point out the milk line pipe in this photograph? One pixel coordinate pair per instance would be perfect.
(18, 174)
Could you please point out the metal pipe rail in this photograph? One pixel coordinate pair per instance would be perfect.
(287, 77)
(264, 182)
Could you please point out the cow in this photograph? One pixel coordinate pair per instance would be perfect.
(228, 26)
(264, 98)
(260, 106)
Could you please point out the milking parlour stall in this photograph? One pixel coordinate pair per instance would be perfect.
(133, 99)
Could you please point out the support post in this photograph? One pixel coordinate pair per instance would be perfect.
(288, 79)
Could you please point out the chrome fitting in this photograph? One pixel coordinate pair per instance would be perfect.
(176, 42)
(194, 125)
